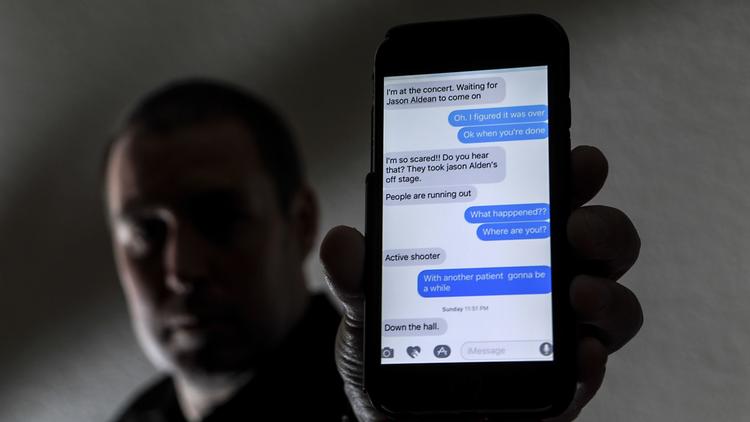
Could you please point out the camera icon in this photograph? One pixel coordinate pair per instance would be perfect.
(386, 353)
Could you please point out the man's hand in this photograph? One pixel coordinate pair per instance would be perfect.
(605, 245)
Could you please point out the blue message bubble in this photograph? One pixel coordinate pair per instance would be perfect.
(498, 115)
(503, 133)
(484, 281)
(507, 213)
(513, 231)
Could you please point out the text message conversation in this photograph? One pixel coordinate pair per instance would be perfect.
(466, 218)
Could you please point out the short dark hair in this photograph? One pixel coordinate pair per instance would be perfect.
(187, 102)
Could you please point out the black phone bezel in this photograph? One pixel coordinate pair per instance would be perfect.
(519, 388)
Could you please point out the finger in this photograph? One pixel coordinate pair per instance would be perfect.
(609, 310)
(342, 253)
(592, 363)
(588, 168)
(604, 239)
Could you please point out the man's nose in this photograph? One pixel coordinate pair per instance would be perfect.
(185, 259)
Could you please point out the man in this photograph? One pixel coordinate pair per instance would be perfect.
(211, 221)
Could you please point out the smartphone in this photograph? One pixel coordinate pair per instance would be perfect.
(466, 307)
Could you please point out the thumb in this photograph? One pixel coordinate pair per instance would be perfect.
(342, 253)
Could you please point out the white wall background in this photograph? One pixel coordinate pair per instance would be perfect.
(663, 87)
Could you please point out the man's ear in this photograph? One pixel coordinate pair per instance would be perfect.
(304, 219)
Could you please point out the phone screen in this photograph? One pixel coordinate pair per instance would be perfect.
(466, 270)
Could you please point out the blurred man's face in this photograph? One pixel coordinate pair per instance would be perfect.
(209, 262)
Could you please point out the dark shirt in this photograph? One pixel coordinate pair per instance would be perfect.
(300, 382)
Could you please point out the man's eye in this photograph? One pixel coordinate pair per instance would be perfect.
(151, 229)
(142, 236)
(220, 227)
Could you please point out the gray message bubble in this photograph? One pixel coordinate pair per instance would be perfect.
(414, 327)
(444, 167)
(444, 93)
(431, 195)
(421, 256)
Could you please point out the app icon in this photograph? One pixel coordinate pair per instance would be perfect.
(545, 349)
(386, 353)
(441, 351)
(413, 351)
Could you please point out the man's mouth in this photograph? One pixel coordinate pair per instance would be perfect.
(183, 321)
(192, 324)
